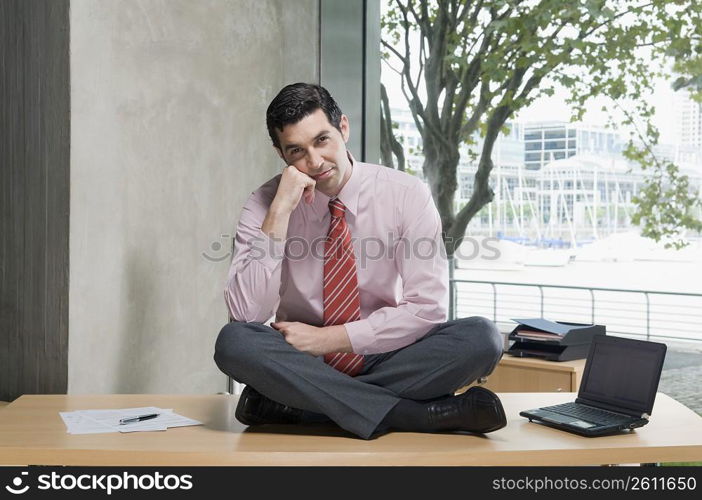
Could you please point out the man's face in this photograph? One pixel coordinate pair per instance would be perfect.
(316, 148)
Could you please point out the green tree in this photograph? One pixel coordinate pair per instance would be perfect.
(467, 66)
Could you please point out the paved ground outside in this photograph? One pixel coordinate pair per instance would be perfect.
(682, 376)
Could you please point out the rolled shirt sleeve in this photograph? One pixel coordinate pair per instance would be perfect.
(252, 292)
(421, 261)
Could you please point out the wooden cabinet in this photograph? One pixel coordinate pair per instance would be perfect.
(535, 375)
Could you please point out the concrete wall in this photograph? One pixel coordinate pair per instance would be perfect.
(168, 138)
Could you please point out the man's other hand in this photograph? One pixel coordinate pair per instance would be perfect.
(314, 340)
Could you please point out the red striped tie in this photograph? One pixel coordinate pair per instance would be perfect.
(342, 303)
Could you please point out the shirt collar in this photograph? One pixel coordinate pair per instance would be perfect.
(348, 195)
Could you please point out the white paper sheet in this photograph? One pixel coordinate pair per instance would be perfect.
(102, 421)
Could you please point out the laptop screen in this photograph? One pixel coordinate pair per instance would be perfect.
(623, 372)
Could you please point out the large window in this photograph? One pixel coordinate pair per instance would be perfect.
(555, 134)
(554, 145)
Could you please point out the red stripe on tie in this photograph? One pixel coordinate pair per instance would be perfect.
(342, 303)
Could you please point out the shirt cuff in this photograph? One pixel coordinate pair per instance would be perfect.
(267, 251)
(361, 335)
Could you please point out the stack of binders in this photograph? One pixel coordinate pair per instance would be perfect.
(552, 340)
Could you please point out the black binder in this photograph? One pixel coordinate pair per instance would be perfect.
(552, 340)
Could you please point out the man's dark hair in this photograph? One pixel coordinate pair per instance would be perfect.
(296, 101)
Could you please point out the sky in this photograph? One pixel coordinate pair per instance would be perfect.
(555, 107)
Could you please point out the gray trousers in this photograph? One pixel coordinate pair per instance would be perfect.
(449, 356)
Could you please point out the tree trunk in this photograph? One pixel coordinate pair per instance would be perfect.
(482, 192)
(440, 170)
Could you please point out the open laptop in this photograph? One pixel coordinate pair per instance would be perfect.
(617, 391)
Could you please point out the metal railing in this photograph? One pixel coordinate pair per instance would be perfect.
(638, 313)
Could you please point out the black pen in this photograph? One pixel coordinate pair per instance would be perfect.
(130, 420)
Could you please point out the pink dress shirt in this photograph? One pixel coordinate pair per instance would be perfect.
(400, 259)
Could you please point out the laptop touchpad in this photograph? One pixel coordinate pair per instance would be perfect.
(563, 419)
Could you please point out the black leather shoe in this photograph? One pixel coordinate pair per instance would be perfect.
(254, 409)
(476, 410)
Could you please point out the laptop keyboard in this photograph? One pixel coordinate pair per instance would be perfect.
(588, 413)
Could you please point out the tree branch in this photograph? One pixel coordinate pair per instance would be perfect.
(474, 15)
(429, 118)
(617, 16)
(419, 20)
(648, 147)
(388, 141)
(394, 51)
(471, 124)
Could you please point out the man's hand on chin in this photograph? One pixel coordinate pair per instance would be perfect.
(314, 340)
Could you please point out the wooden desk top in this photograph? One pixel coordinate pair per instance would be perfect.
(32, 432)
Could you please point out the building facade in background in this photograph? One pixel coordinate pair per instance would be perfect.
(688, 118)
(545, 142)
(688, 129)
